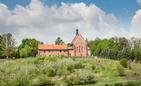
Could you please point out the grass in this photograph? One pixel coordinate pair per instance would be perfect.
(65, 71)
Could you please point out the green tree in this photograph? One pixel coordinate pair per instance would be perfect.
(93, 44)
(7, 45)
(59, 41)
(26, 51)
(28, 47)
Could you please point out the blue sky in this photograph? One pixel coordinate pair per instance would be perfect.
(123, 9)
(51, 18)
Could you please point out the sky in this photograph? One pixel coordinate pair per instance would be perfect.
(45, 20)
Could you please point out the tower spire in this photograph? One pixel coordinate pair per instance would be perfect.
(77, 31)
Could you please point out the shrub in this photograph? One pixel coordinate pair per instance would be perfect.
(78, 65)
(120, 70)
(70, 68)
(80, 77)
(90, 66)
(123, 62)
(39, 60)
(62, 70)
(19, 79)
(41, 80)
(49, 71)
(52, 58)
(93, 67)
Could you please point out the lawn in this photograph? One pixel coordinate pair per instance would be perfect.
(65, 71)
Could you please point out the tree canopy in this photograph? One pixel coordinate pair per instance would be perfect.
(7, 45)
(59, 41)
(116, 48)
(28, 47)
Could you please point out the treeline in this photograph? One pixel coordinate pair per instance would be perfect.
(8, 48)
(116, 48)
(113, 48)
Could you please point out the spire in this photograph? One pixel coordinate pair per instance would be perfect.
(77, 31)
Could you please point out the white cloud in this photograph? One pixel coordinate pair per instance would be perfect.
(136, 24)
(46, 23)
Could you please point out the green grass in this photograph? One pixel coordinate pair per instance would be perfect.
(65, 71)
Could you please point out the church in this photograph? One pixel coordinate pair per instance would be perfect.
(79, 48)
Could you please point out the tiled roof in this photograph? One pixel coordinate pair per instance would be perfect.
(52, 47)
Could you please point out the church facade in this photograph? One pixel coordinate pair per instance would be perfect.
(79, 48)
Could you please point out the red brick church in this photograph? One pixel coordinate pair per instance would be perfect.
(79, 48)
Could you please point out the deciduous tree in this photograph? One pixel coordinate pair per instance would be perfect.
(59, 41)
(7, 45)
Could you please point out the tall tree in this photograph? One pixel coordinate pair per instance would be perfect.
(7, 45)
(28, 47)
(59, 41)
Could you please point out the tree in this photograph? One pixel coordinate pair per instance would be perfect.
(26, 51)
(93, 45)
(28, 47)
(7, 45)
(59, 41)
(1, 54)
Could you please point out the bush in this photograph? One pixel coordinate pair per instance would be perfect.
(90, 66)
(80, 77)
(52, 58)
(93, 67)
(70, 68)
(39, 60)
(123, 62)
(62, 70)
(51, 72)
(120, 70)
(41, 80)
(79, 65)
(19, 79)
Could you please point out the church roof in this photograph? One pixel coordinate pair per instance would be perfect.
(78, 35)
(52, 47)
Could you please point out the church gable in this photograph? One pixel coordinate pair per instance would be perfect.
(79, 40)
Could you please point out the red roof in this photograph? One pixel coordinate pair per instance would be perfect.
(52, 47)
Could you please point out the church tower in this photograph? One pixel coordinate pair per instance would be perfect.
(80, 47)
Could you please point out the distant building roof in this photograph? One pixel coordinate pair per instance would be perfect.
(52, 47)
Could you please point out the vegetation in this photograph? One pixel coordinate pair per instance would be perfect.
(59, 41)
(124, 70)
(7, 45)
(42, 71)
(113, 48)
(28, 47)
(116, 48)
(120, 70)
(123, 62)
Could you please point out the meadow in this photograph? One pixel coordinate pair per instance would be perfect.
(66, 71)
